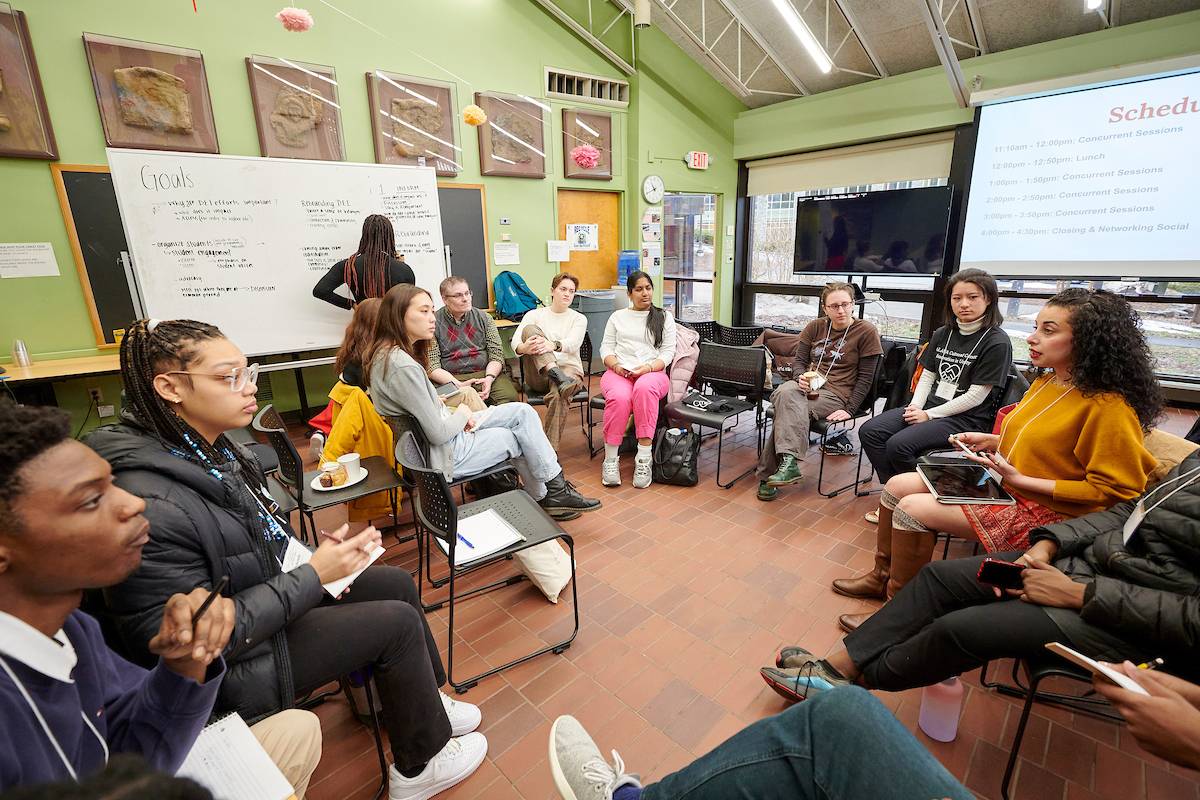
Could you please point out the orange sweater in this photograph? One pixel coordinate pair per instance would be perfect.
(1092, 447)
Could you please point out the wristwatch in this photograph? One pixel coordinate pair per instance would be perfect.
(557, 346)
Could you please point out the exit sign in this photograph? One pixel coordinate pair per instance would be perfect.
(697, 159)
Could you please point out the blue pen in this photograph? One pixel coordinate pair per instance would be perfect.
(463, 539)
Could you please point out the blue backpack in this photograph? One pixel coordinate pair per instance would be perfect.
(514, 298)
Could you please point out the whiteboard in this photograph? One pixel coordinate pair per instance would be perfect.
(240, 242)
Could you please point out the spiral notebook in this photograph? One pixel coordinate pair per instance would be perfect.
(229, 761)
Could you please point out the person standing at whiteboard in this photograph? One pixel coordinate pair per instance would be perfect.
(371, 271)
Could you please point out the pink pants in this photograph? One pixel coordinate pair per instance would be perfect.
(621, 395)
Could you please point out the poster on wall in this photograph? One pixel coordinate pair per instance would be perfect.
(587, 144)
(652, 258)
(652, 224)
(25, 130)
(414, 122)
(583, 237)
(512, 142)
(151, 96)
(296, 109)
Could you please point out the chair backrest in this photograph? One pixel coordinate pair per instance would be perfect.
(740, 370)
(737, 336)
(706, 328)
(405, 425)
(585, 354)
(435, 506)
(891, 366)
(291, 465)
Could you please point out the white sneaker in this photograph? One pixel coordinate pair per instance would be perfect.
(316, 445)
(455, 763)
(464, 717)
(610, 472)
(642, 474)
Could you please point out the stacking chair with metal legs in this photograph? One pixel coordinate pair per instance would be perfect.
(581, 397)
(439, 516)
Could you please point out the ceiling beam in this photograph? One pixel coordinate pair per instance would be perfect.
(977, 26)
(742, 89)
(945, 50)
(1114, 12)
(780, 62)
(876, 61)
(583, 33)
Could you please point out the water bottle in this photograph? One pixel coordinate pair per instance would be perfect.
(940, 704)
(20, 354)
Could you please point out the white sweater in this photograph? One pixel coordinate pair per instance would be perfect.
(568, 327)
(627, 337)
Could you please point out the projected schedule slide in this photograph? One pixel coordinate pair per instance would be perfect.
(1104, 176)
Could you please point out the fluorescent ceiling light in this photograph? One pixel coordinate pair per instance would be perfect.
(800, 29)
(1094, 5)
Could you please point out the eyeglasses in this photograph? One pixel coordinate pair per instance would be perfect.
(838, 306)
(238, 377)
(458, 295)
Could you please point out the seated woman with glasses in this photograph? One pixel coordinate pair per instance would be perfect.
(835, 365)
(211, 515)
(466, 348)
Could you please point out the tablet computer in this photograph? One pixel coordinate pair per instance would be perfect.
(964, 483)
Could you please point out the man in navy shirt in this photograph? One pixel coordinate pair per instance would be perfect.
(66, 700)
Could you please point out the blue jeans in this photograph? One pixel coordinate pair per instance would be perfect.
(512, 430)
(841, 745)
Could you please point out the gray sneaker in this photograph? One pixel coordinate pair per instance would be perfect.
(642, 474)
(579, 771)
(610, 472)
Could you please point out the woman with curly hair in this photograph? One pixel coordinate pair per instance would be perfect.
(1072, 446)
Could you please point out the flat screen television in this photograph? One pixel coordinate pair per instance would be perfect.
(898, 231)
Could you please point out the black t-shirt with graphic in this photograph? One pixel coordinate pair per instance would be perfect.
(958, 361)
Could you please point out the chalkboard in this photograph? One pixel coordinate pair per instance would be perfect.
(89, 209)
(464, 230)
(93, 223)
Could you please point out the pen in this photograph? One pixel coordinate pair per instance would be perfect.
(208, 601)
(463, 539)
(1155, 664)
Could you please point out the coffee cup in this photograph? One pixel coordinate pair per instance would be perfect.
(353, 465)
(815, 382)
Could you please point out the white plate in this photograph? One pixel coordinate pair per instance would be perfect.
(315, 483)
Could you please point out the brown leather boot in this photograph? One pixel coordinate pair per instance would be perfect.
(873, 585)
(911, 550)
(850, 622)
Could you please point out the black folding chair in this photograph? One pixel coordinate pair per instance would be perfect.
(581, 397)
(740, 371)
(706, 328)
(439, 516)
(736, 336)
(381, 476)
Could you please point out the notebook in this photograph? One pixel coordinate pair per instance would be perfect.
(480, 535)
(228, 761)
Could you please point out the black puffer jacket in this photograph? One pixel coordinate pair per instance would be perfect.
(200, 529)
(1147, 591)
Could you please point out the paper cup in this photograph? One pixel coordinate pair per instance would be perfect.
(351, 462)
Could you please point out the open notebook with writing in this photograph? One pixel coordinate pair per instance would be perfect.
(228, 761)
(480, 535)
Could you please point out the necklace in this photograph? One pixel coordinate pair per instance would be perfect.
(838, 350)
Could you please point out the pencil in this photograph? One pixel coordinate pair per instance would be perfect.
(208, 601)
(1155, 664)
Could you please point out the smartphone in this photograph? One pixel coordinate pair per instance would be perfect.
(1001, 574)
(448, 390)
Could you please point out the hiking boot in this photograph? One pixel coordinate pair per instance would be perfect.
(562, 497)
(839, 446)
(766, 492)
(578, 769)
(800, 683)
(642, 474)
(559, 378)
(787, 474)
(610, 472)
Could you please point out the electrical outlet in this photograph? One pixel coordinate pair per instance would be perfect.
(106, 411)
(96, 395)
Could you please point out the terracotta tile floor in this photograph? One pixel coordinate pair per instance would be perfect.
(684, 593)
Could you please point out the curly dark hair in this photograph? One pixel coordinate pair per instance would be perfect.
(25, 433)
(1111, 352)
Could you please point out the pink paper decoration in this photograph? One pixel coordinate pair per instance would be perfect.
(296, 20)
(585, 156)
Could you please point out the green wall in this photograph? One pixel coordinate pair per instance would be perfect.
(481, 45)
(922, 101)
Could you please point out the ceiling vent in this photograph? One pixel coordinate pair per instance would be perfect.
(563, 84)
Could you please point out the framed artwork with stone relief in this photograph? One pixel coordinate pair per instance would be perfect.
(414, 121)
(296, 109)
(25, 130)
(151, 96)
(513, 140)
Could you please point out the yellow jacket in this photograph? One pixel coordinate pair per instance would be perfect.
(358, 428)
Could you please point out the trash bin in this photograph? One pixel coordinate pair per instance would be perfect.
(597, 306)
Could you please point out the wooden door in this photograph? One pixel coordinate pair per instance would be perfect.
(597, 269)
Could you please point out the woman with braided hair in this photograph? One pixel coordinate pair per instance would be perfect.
(371, 271)
(211, 516)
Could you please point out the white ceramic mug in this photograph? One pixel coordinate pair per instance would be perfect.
(352, 464)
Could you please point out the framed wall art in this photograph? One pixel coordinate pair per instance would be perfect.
(512, 142)
(414, 121)
(296, 109)
(587, 144)
(151, 96)
(25, 130)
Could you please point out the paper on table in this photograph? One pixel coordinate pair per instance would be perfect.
(506, 254)
(558, 250)
(27, 260)
(297, 555)
(228, 761)
(487, 531)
